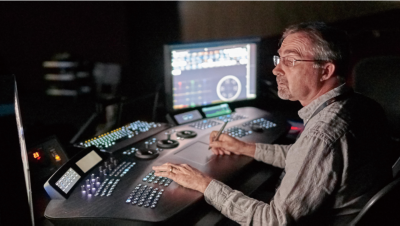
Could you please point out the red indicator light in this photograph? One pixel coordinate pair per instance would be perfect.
(36, 155)
(294, 128)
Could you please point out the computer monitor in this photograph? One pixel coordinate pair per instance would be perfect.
(15, 191)
(204, 74)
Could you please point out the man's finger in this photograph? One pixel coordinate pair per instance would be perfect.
(165, 174)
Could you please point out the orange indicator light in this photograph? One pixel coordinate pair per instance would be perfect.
(57, 157)
(36, 155)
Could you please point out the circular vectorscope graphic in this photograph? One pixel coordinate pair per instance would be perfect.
(228, 88)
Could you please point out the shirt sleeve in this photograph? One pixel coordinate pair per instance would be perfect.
(272, 154)
(310, 178)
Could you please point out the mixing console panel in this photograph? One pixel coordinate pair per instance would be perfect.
(125, 135)
(121, 189)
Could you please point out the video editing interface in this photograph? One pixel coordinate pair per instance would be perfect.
(211, 75)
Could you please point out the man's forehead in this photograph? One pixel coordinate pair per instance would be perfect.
(295, 44)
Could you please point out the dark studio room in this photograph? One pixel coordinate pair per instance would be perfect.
(200, 113)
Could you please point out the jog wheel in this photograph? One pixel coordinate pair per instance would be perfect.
(146, 153)
(167, 143)
(186, 134)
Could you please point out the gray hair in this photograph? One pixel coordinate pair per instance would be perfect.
(329, 44)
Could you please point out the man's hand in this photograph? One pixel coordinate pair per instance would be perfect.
(184, 175)
(227, 145)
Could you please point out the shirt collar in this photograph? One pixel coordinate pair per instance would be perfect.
(306, 112)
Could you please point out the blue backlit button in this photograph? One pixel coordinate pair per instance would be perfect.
(128, 201)
(153, 206)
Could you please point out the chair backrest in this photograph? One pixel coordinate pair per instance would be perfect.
(383, 208)
(379, 79)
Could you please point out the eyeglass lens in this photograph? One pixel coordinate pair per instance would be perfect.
(276, 60)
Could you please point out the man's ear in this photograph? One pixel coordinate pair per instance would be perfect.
(327, 71)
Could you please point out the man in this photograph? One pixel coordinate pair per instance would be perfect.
(336, 165)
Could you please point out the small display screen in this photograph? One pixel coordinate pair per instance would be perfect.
(215, 111)
(87, 162)
(188, 116)
(68, 180)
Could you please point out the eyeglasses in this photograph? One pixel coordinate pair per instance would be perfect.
(288, 61)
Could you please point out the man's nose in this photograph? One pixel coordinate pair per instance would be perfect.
(277, 70)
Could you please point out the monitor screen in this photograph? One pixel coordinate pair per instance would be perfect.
(15, 161)
(209, 73)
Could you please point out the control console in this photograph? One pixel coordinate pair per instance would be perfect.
(120, 187)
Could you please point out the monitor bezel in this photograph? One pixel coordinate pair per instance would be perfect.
(202, 44)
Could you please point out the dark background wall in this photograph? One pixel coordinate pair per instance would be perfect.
(132, 34)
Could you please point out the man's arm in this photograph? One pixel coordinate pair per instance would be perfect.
(313, 170)
(273, 154)
(311, 176)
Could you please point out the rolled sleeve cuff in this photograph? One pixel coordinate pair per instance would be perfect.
(216, 194)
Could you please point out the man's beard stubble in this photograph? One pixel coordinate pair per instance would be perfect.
(283, 89)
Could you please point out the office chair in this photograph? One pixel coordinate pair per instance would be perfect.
(383, 208)
(379, 79)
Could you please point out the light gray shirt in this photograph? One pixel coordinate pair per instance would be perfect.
(335, 166)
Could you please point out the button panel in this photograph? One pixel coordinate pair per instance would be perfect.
(231, 117)
(111, 179)
(264, 123)
(237, 132)
(204, 124)
(145, 196)
(68, 180)
(162, 181)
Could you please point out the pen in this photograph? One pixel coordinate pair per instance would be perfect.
(219, 132)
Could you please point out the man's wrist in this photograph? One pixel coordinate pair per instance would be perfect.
(205, 184)
(250, 149)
